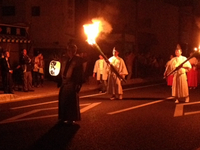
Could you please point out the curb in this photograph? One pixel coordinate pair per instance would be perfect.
(6, 98)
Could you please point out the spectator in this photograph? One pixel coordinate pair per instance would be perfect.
(36, 70)
(18, 78)
(26, 64)
(86, 63)
(7, 73)
(169, 78)
(192, 75)
(198, 70)
(129, 63)
(41, 70)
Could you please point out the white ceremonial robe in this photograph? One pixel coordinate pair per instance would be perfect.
(98, 70)
(180, 85)
(114, 83)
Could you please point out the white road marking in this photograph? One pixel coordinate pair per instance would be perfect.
(179, 109)
(85, 104)
(89, 107)
(26, 106)
(92, 95)
(27, 119)
(12, 119)
(139, 87)
(38, 104)
(17, 118)
(131, 108)
(56, 101)
(191, 113)
(21, 115)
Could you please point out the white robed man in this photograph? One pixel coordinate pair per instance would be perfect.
(114, 83)
(101, 73)
(180, 85)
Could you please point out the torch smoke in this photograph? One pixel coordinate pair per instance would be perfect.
(104, 27)
(99, 26)
(197, 19)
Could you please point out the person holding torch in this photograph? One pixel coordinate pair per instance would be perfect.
(116, 64)
(180, 85)
(71, 79)
(114, 82)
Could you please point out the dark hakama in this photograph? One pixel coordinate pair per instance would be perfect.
(69, 103)
(72, 79)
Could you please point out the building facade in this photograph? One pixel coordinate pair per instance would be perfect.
(141, 26)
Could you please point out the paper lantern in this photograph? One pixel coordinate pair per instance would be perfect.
(54, 68)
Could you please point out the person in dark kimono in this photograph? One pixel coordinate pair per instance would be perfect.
(7, 73)
(26, 64)
(71, 75)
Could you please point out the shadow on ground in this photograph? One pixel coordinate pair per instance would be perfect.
(57, 138)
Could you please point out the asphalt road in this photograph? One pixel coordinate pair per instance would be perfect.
(146, 119)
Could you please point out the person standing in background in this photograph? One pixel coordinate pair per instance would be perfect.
(101, 73)
(114, 83)
(198, 70)
(7, 72)
(192, 75)
(26, 64)
(36, 60)
(170, 78)
(129, 59)
(41, 70)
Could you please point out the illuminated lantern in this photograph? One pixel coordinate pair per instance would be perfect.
(54, 68)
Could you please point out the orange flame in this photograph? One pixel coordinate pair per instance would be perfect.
(197, 49)
(92, 31)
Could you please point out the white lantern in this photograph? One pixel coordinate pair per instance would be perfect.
(54, 68)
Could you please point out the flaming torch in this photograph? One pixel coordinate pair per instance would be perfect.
(196, 52)
(92, 31)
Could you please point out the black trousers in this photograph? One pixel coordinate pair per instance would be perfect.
(7, 82)
(68, 106)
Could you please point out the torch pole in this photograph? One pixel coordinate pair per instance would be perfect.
(107, 61)
(180, 66)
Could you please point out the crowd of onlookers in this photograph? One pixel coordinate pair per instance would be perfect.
(29, 73)
(139, 65)
(147, 65)
(25, 75)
